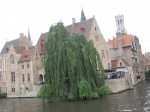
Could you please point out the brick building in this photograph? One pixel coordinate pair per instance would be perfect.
(127, 47)
(90, 29)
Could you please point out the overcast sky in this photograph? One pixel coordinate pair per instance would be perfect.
(16, 16)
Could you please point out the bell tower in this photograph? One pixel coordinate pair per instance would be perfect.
(120, 24)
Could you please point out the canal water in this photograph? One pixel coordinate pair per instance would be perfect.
(136, 100)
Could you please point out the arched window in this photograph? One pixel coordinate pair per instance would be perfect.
(12, 59)
(120, 63)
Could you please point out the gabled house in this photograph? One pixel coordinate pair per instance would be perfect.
(128, 47)
(29, 63)
(9, 71)
(90, 29)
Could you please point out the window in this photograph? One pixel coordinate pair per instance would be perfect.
(133, 60)
(13, 89)
(82, 30)
(120, 63)
(118, 22)
(108, 65)
(28, 77)
(103, 55)
(22, 66)
(28, 65)
(95, 29)
(96, 37)
(42, 45)
(13, 77)
(12, 59)
(23, 78)
(26, 88)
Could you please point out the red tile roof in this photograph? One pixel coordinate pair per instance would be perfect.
(27, 55)
(126, 40)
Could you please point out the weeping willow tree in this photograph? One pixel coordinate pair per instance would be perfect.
(73, 67)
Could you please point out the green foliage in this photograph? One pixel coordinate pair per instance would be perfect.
(3, 95)
(105, 90)
(84, 89)
(147, 74)
(45, 92)
(73, 67)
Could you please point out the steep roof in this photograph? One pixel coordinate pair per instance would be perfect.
(86, 25)
(146, 60)
(115, 62)
(19, 49)
(27, 55)
(7, 44)
(127, 40)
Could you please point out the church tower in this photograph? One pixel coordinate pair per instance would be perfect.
(82, 16)
(120, 24)
(29, 37)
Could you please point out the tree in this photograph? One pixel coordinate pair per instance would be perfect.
(73, 67)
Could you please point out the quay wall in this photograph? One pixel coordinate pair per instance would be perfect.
(118, 85)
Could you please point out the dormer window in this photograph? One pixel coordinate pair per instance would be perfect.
(25, 56)
(82, 30)
(7, 49)
(120, 63)
(42, 45)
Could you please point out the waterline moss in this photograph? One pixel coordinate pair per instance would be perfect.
(3, 95)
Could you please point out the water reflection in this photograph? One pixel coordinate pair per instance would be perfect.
(136, 100)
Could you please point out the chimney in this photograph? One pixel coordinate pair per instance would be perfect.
(27, 44)
(73, 21)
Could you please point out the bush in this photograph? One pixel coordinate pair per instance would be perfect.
(3, 95)
(147, 74)
(104, 90)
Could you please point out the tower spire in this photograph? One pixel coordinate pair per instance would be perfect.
(82, 15)
(29, 37)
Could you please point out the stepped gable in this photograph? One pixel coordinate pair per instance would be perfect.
(83, 27)
(27, 54)
(8, 44)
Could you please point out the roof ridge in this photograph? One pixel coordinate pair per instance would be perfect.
(13, 40)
